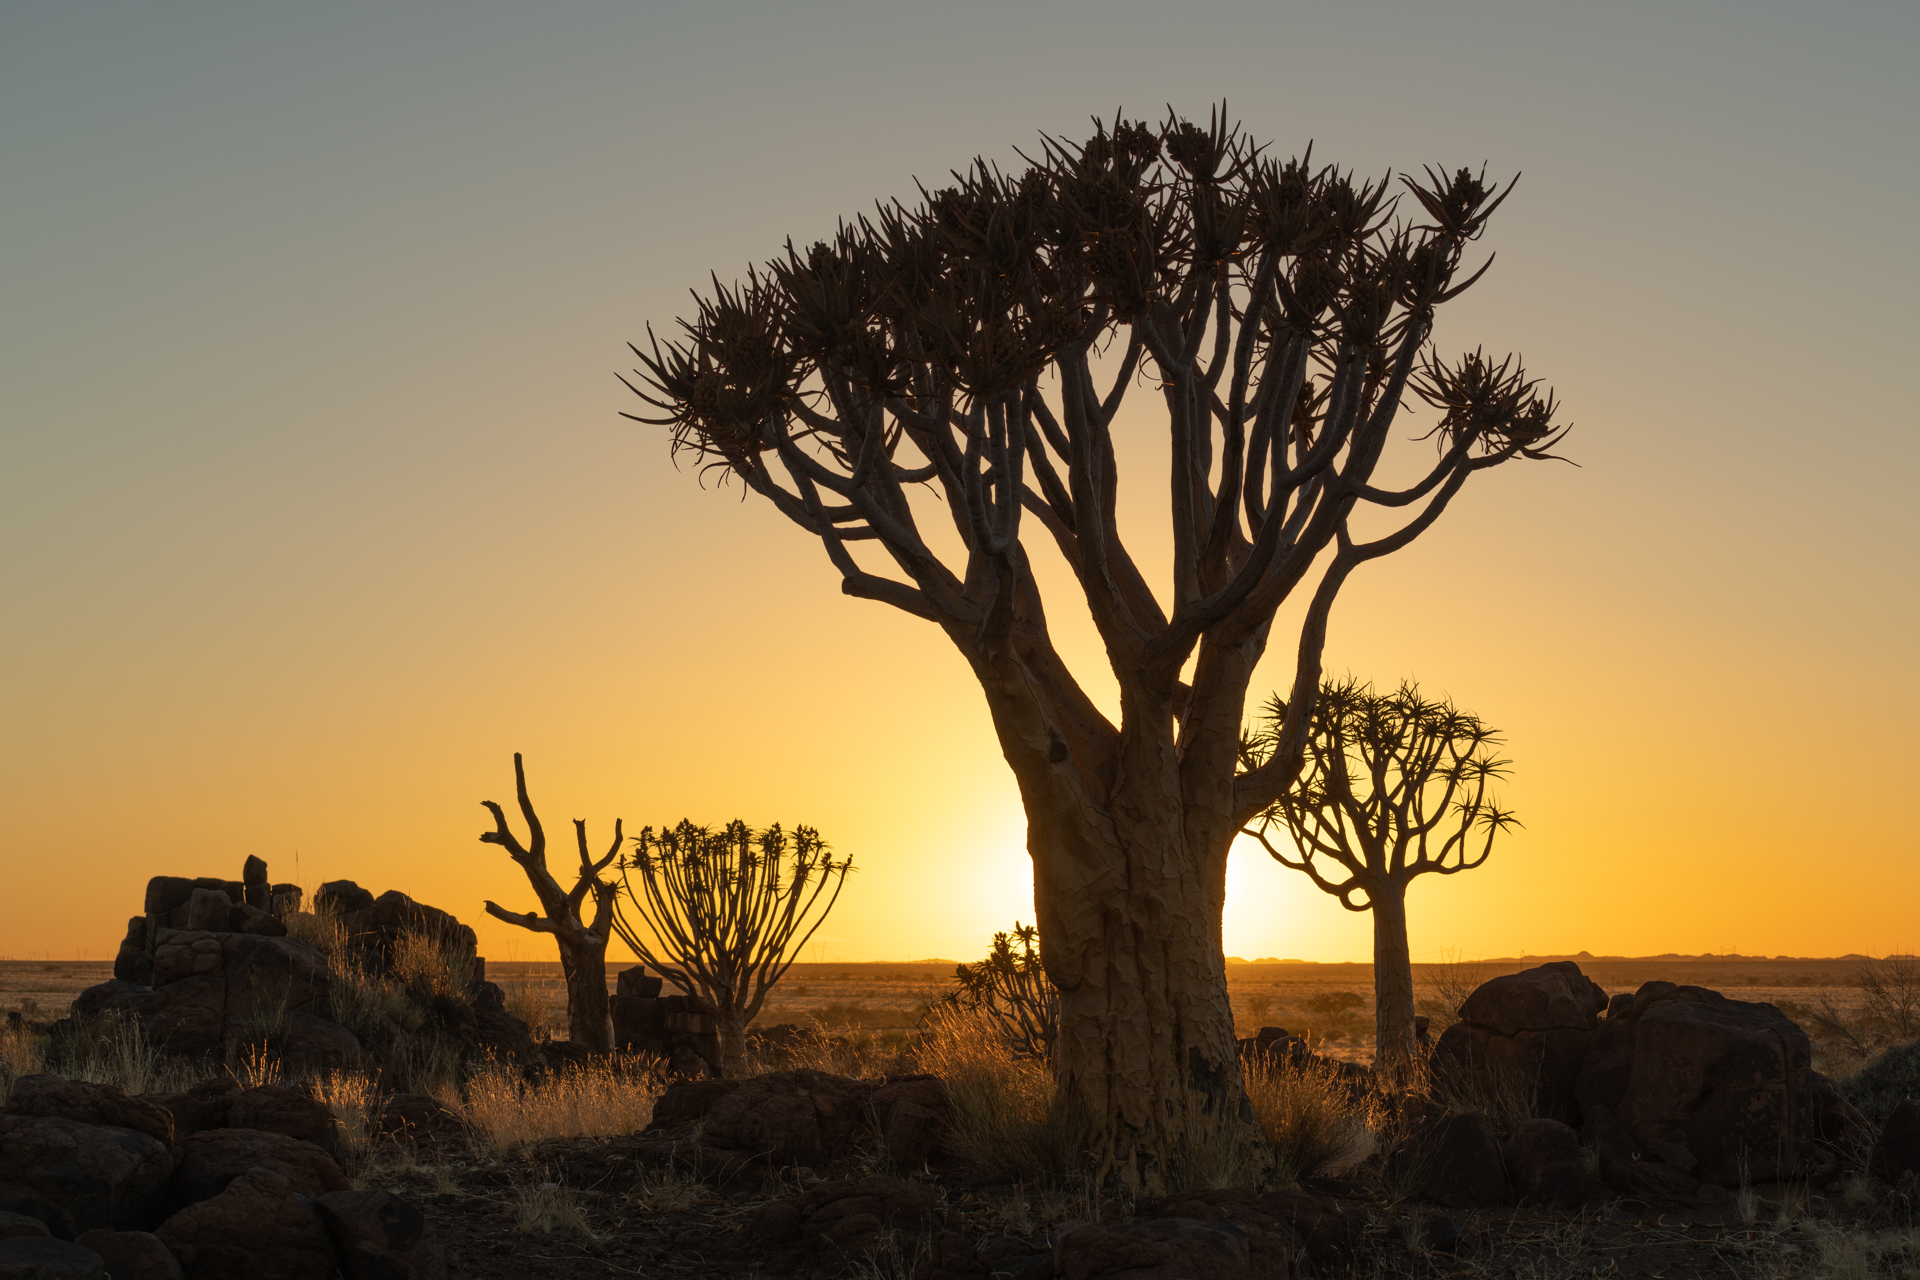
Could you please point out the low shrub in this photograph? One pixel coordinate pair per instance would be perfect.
(20, 1055)
(354, 1099)
(114, 1049)
(1888, 1077)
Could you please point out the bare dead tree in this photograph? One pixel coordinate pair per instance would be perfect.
(583, 944)
(723, 914)
(1394, 786)
(938, 376)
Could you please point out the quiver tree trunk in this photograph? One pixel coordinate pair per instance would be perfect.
(583, 945)
(733, 1043)
(1392, 982)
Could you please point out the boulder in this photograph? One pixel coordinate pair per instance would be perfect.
(187, 1017)
(210, 1161)
(256, 888)
(689, 1100)
(1452, 1160)
(28, 1258)
(379, 1236)
(258, 1226)
(913, 1117)
(1726, 1082)
(1648, 1180)
(272, 975)
(1898, 1149)
(637, 982)
(130, 963)
(20, 1224)
(1837, 1122)
(100, 1104)
(132, 1255)
(1162, 1249)
(1526, 1034)
(497, 1030)
(247, 918)
(1533, 1147)
(1283, 1224)
(338, 897)
(209, 910)
(800, 1117)
(276, 1108)
(1608, 1069)
(75, 1177)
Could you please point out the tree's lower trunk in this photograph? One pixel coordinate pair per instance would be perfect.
(589, 1024)
(1145, 1058)
(1393, 1043)
(733, 1041)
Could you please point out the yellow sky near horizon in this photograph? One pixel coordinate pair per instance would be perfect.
(315, 505)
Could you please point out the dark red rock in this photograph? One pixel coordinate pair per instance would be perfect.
(1453, 1161)
(132, 1255)
(417, 1115)
(802, 1117)
(20, 1224)
(1898, 1149)
(914, 1118)
(75, 1177)
(379, 1236)
(277, 1108)
(258, 1226)
(1727, 1080)
(210, 1161)
(28, 1258)
(45, 1095)
(1162, 1249)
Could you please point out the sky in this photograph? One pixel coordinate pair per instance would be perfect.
(316, 504)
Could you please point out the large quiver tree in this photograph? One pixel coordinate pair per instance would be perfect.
(1394, 786)
(582, 941)
(964, 362)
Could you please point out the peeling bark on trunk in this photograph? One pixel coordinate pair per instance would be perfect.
(733, 1043)
(1392, 981)
(1129, 902)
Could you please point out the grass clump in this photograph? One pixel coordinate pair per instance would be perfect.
(1309, 1117)
(354, 1099)
(1008, 1117)
(113, 1049)
(551, 1208)
(502, 1109)
(20, 1055)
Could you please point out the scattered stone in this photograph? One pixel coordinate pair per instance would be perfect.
(258, 1226)
(379, 1236)
(75, 1177)
(132, 1255)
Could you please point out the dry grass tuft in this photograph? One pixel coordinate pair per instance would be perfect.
(1310, 1118)
(433, 962)
(20, 1055)
(1007, 1115)
(502, 1110)
(551, 1208)
(524, 1001)
(112, 1049)
(666, 1191)
(354, 1099)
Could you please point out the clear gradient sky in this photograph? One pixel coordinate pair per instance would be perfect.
(315, 504)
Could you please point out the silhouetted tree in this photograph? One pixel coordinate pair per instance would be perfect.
(1394, 786)
(917, 389)
(583, 945)
(1011, 987)
(726, 913)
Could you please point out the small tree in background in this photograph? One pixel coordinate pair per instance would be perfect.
(583, 945)
(1012, 988)
(1394, 786)
(725, 913)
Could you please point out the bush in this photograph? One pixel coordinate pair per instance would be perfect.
(503, 1110)
(1884, 1081)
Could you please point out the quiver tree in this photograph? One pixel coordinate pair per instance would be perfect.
(1012, 989)
(583, 945)
(937, 383)
(723, 914)
(1393, 786)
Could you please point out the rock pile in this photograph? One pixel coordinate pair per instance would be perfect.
(1669, 1091)
(93, 1182)
(210, 972)
(683, 1030)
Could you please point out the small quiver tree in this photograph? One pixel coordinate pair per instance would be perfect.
(1394, 786)
(583, 945)
(1012, 988)
(722, 914)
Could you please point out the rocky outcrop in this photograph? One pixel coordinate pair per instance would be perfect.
(1452, 1160)
(848, 1214)
(132, 1255)
(211, 1161)
(95, 1104)
(1525, 1034)
(681, 1030)
(27, 1258)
